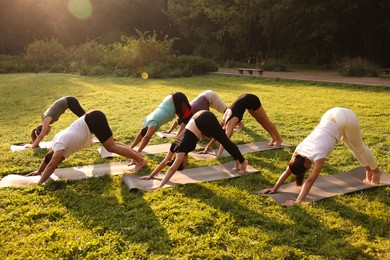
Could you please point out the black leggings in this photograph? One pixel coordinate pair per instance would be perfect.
(74, 106)
(208, 124)
(97, 123)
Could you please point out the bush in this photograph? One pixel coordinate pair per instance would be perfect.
(46, 53)
(357, 67)
(181, 66)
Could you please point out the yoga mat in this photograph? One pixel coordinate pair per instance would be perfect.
(166, 135)
(14, 180)
(193, 175)
(244, 148)
(327, 186)
(72, 173)
(149, 149)
(20, 147)
(95, 170)
(43, 144)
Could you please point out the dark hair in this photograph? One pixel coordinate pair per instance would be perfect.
(297, 167)
(183, 108)
(35, 132)
(48, 156)
(144, 131)
(183, 164)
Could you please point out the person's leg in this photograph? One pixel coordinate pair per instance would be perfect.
(352, 137)
(261, 117)
(124, 150)
(75, 107)
(208, 125)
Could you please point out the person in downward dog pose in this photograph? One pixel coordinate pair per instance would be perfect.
(233, 115)
(176, 103)
(202, 123)
(79, 135)
(203, 101)
(51, 115)
(335, 125)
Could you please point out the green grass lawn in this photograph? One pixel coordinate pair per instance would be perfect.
(99, 218)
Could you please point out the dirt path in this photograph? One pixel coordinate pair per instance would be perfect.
(326, 76)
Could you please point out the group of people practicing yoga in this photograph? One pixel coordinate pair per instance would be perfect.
(195, 121)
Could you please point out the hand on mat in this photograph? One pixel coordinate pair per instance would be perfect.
(147, 177)
(267, 191)
(29, 146)
(155, 187)
(132, 162)
(288, 203)
(202, 152)
(35, 173)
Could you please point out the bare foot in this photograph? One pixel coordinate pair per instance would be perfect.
(139, 165)
(244, 164)
(237, 166)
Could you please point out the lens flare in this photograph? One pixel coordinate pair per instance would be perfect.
(81, 9)
(144, 75)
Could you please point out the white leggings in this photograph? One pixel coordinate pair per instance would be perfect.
(352, 135)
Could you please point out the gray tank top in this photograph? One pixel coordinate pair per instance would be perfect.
(56, 109)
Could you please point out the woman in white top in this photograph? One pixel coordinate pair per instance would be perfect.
(336, 124)
(79, 135)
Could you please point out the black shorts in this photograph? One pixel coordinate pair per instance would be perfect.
(185, 142)
(98, 125)
(244, 102)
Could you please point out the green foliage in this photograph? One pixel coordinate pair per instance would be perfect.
(357, 67)
(99, 218)
(45, 53)
(181, 66)
(122, 58)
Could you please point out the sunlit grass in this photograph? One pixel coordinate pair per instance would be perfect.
(100, 218)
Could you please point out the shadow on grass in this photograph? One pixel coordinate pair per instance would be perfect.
(312, 236)
(374, 226)
(128, 215)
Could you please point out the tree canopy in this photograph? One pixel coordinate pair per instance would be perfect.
(301, 31)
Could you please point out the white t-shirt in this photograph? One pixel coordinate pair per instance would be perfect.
(321, 142)
(74, 138)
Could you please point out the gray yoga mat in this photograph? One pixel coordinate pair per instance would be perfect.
(71, 173)
(244, 148)
(193, 175)
(43, 144)
(327, 186)
(149, 149)
(167, 135)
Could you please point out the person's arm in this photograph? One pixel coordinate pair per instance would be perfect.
(56, 159)
(173, 126)
(317, 167)
(45, 130)
(229, 127)
(182, 126)
(159, 168)
(208, 146)
(40, 169)
(171, 171)
(137, 139)
(147, 137)
(279, 183)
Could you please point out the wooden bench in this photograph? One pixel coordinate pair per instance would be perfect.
(250, 71)
(386, 71)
